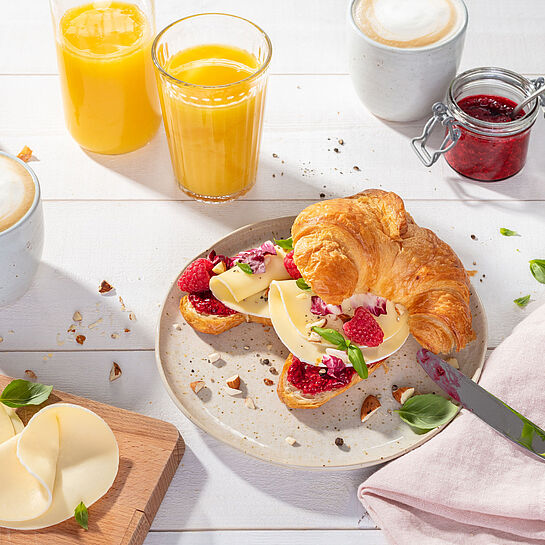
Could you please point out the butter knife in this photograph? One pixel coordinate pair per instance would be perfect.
(488, 408)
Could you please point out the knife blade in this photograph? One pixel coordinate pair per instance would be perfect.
(491, 410)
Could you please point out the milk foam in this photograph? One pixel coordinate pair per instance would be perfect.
(17, 192)
(407, 23)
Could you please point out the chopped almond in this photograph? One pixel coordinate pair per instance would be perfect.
(249, 402)
(25, 154)
(370, 406)
(115, 372)
(233, 382)
(402, 394)
(104, 287)
(30, 374)
(197, 386)
(290, 440)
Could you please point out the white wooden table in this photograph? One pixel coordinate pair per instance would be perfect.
(122, 219)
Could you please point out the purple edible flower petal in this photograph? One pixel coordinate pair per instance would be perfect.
(320, 308)
(256, 257)
(218, 258)
(379, 307)
(334, 365)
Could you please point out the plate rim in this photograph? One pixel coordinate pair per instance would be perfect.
(236, 444)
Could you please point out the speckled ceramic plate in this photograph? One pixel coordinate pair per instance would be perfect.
(261, 432)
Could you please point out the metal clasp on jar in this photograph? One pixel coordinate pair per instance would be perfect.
(441, 115)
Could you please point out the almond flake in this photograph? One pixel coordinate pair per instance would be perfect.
(233, 382)
(77, 317)
(80, 339)
(453, 362)
(249, 402)
(114, 335)
(30, 374)
(219, 268)
(94, 324)
(197, 386)
(177, 327)
(105, 287)
(213, 357)
(132, 316)
(115, 372)
(290, 440)
(233, 391)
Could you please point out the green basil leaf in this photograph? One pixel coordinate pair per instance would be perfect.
(427, 411)
(284, 243)
(245, 267)
(357, 360)
(537, 268)
(522, 301)
(19, 393)
(302, 285)
(332, 336)
(82, 516)
(508, 233)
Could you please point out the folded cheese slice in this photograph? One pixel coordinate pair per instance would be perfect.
(290, 309)
(247, 293)
(65, 455)
(7, 431)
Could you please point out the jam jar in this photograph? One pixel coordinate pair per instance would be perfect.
(481, 139)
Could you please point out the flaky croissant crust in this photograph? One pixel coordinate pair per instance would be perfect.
(369, 242)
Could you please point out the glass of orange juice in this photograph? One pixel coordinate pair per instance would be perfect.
(106, 73)
(212, 77)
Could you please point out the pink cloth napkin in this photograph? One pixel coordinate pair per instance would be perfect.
(469, 485)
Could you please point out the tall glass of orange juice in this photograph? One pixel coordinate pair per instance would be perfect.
(212, 77)
(106, 73)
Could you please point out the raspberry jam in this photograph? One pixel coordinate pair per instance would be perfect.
(206, 303)
(482, 141)
(306, 378)
(489, 158)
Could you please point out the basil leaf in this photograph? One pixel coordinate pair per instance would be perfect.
(522, 301)
(357, 360)
(82, 516)
(537, 268)
(427, 411)
(284, 243)
(508, 233)
(302, 285)
(332, 336)
(245, 267)
(19, 393)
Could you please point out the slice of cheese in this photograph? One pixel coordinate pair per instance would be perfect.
(81, 469)
(246, 292)
(15, 420)
(7, 431)
(290, 312)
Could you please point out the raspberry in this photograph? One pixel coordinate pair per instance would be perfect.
(196, 278)
(291, 267)
(364, 329)
(206, 303)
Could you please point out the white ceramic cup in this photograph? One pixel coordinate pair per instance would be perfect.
(402, 84)
(21, 247)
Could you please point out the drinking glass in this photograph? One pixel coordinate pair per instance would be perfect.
(213, 119)
(106, 74)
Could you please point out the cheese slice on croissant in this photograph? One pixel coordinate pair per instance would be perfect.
(292, 318)
(369, 243)
(247, 293)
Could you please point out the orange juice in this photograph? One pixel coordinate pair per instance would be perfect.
(107, 77)
(213, 110)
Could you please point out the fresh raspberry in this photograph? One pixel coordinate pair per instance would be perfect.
(363, 328)
(206, 303)
(196, 278)
(291, 267)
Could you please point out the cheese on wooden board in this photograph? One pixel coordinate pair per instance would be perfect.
(290, 306)
(65, 455)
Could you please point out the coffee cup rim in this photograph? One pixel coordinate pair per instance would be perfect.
(37, 194)
(407, 50)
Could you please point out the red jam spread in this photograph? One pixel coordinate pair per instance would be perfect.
(494, 157)
(206, 303)
(306, 378)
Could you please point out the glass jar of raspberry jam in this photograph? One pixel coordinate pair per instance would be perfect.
(482, 141)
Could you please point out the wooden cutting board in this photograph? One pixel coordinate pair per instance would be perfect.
(149, 454)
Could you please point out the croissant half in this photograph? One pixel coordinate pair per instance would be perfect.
(369, 242)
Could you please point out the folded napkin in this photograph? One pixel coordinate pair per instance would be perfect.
(469, 485)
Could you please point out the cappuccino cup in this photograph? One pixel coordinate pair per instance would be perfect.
(21, 227)
(404, 53)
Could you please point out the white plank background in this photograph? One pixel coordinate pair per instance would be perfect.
(122, 219)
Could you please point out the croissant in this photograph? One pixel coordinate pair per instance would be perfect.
(369, 242)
